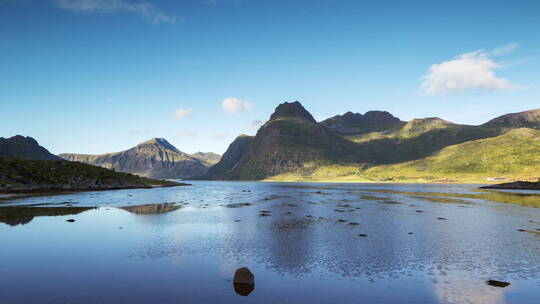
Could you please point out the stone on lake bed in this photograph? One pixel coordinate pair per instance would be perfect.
(244, 289)
(238, 205)
(496, 283)
(244, 276)
(244, 281)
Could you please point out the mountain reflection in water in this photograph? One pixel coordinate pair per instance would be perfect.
(316, 243)
(14, 216)
(149, 209)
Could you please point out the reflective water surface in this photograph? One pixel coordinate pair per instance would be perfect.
(305, 243)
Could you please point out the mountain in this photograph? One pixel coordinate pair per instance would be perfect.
(290, 141)
(209, 158)
(237, 149)
(526, 119)
(516, 152)
(356, 123)
(292, 145)
(154, 158)
(24, 147)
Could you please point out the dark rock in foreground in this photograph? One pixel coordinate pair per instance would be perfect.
(520, 185)
(243, 289)
(244, 281)
(496, 283)
(244, 276)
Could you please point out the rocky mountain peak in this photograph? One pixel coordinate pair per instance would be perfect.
(529, 119)
(292, 110)
(23, 147)
(356, 123)
(160, 143)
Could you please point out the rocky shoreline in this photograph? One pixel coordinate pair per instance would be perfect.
(23, 192)
(520, 185)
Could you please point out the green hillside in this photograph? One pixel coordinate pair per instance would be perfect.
(293, 146)
(516, 152)
(514, 155)
(20, 174)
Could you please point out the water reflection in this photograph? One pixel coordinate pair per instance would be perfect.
(150, 209)
(14, 216)
(303, 250)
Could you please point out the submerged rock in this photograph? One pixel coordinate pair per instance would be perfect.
(238, 205)
(243, 289)
(496, 283)
(244, 281)
(244, 276)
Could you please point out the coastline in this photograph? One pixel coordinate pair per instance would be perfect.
(6, 194)
(518, 185)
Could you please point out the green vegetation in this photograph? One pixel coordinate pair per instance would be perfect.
(514, 155)
(292, 146)
(21, 174)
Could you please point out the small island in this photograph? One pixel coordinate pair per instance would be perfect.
(519, 185)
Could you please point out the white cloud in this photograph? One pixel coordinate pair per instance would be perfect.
(182, 113)
(186, 133)
(505, 49)
(146, 10)
(233, 105)
(475, 70)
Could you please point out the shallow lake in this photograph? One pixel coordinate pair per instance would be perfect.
(305, 243)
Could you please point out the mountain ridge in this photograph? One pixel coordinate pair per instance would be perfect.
(19, 146)
(293, 143)
(153, 158)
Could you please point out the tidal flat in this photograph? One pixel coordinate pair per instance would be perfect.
(303, 242)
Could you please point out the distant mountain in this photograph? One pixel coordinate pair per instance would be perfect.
(356, 123)
(210, 158)
(24, 148)
(154, 158)
(293, 144)
(514, 152)
(526, 119)
(291, 140)
(237, 149)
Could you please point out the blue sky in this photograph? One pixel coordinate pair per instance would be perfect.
(96, 76)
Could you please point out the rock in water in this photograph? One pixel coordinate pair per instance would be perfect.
(244, 289)
(497, 283)
(244, 281)
(244, 276)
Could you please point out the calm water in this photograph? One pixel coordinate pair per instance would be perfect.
(183, 244)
